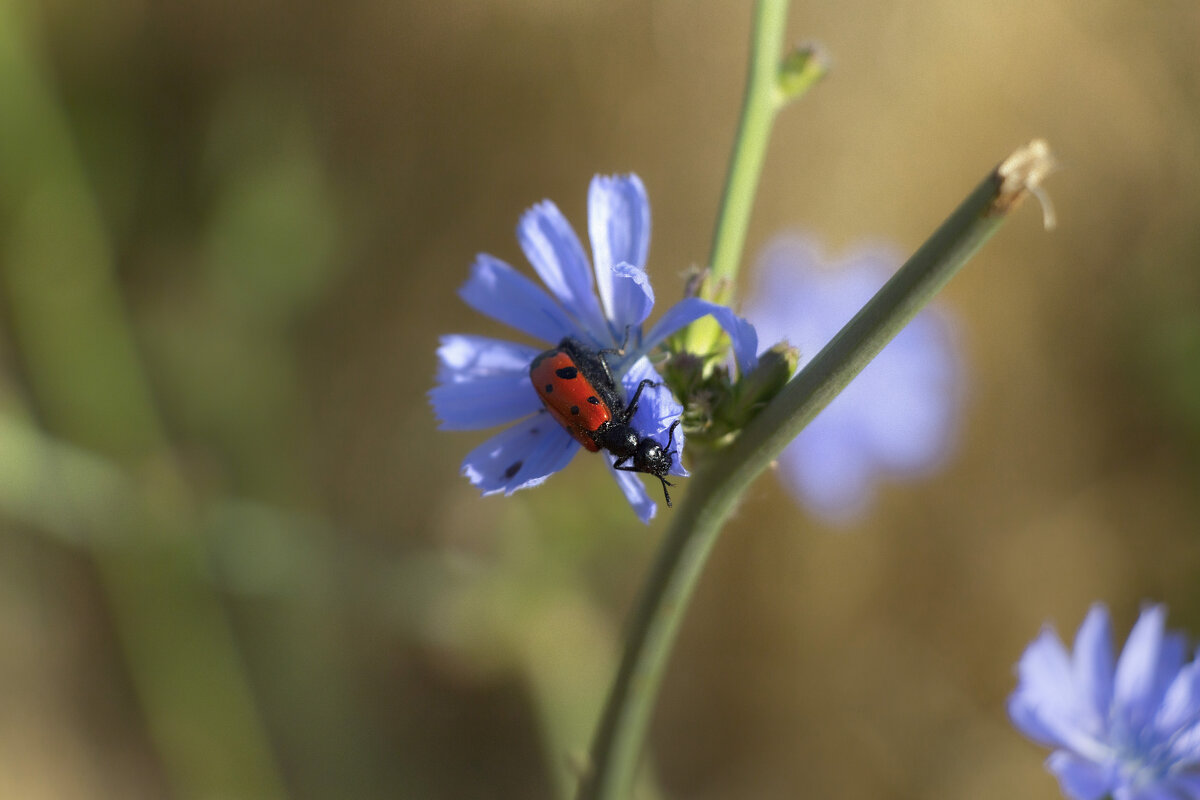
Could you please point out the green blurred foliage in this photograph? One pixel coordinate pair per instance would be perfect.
(237, 558)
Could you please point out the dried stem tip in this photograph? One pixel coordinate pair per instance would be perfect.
(1021, 174)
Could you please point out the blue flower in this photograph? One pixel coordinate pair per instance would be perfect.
(897, 417)
(1131, 731)
(484, 382)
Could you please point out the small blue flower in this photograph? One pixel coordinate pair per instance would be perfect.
(897, 417)
(484, 382)
(1129, 731)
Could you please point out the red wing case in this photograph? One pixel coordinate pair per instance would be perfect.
(569, 396)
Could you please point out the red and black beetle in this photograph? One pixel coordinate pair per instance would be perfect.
(578, 389)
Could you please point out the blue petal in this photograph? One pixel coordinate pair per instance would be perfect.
(554, 250)
(1044, 670)
(1161, 790)
(619, 227)
(483, 382)
(483, 403)
(1184, 756)
(507, 296)
(1140, 679)
(635, 493)
(830, 475)
(919, 374)
(686, 311)
(464, 358)
(1046, 704)
(521, 456)
(1092, 663)
(1185, 785)
(1185, 753)
(1181, 704)
(635, 297)
(1080, 779)
(1178, 723)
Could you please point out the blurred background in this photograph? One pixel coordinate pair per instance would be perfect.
(237, 559)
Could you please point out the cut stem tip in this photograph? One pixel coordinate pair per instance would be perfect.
(1022, 174)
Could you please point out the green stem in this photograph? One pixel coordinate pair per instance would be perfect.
(750, 146)
(770, 84)
(714, 492)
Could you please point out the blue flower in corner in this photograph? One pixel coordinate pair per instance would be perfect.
(897, 417)
(483, 382)
(1130, 730)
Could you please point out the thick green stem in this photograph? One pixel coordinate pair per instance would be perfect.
(714, 492)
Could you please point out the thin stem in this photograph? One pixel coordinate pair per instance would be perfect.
(759, 105)
(750, 146)
(714, 492)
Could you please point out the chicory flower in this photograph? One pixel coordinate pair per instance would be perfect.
(897, 417)
(1129, 730)
(484, 382)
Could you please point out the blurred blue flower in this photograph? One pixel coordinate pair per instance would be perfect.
(483, 382)
(1131, 731)
(897, 417)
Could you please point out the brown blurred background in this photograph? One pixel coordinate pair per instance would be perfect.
(236, 556)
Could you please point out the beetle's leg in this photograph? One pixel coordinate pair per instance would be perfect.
(671, 437)
(631, 406)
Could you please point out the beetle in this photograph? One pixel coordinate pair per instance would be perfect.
(577, 387)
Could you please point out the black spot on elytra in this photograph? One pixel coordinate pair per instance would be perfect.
(533, 431)
(574, 410)
(513, 469)
(549, 388)
(594, 400)
(566, 373)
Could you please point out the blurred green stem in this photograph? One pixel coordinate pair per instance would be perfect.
(770, 84)
(714, 492)
(85, 376)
